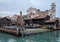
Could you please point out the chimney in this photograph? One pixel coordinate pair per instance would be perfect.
(20, 13)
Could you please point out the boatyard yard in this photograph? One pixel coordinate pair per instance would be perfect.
(29, 21)
(19, 32)
(25, 32)
(36, 21)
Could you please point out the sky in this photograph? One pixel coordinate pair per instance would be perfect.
(13, 7)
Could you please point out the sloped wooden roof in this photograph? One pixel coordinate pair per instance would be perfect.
(52, 20)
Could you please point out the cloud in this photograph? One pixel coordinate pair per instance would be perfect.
(11, 7)
(35, 2)
(6, 13)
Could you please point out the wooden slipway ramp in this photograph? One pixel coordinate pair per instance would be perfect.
(35, 31)
(10, 30)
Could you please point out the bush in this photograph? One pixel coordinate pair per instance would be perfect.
(44, 27)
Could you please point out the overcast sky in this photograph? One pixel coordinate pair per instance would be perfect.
(12, 7)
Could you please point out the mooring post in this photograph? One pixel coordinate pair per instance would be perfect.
(22, 31)
(17, 32)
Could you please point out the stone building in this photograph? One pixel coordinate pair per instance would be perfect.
(33, 12)
(52, 11)
(20, 19)
(14, 18)
(17, 19)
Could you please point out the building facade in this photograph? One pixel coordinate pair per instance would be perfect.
(33, 12)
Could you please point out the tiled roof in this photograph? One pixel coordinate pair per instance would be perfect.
(41, 14)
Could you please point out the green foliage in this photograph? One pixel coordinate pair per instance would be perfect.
(44, 27)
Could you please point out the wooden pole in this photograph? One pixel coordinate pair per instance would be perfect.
(17, 32)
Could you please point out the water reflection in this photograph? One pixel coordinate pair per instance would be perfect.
(45, 37)
(59, 38)
(12, 40)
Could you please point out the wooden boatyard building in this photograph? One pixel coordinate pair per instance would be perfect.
(36, 21)
(35, 18)
(52, 24)
(5, 22)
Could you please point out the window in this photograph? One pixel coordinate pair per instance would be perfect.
(29, 16)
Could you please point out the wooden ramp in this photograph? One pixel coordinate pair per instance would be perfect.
(10, 30)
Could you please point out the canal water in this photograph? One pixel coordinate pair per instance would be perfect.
(44, 37)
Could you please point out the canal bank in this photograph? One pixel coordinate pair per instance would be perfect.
(45, 37)
(23, 32)
(8, 30)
